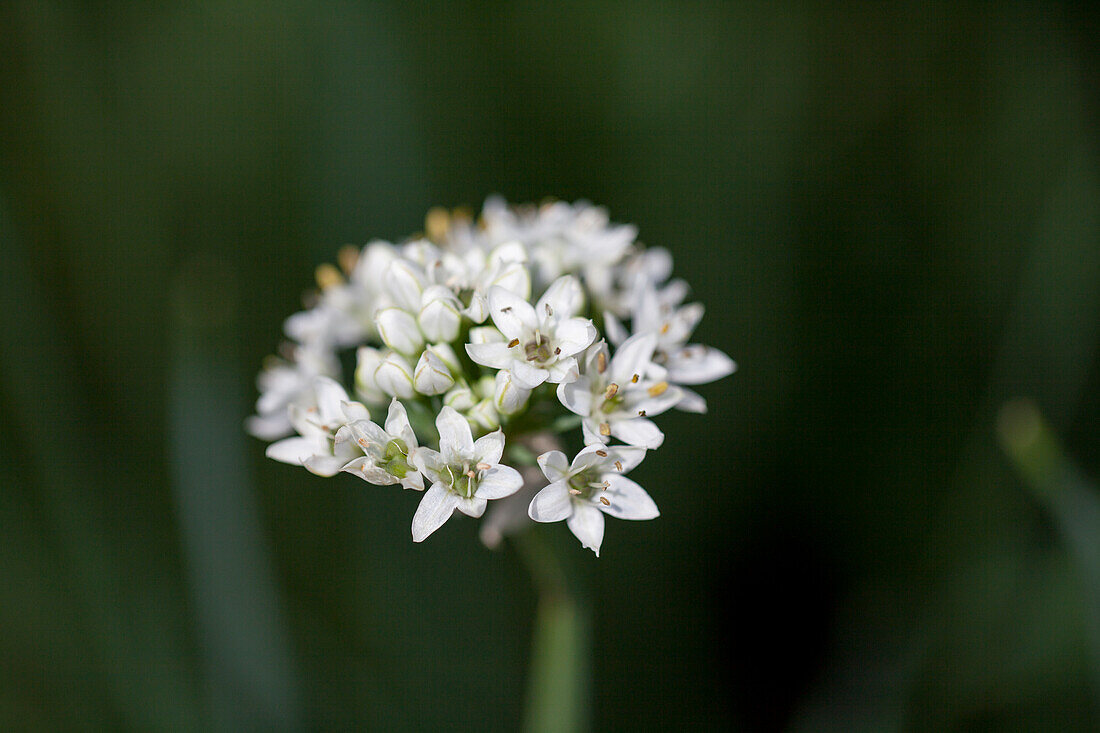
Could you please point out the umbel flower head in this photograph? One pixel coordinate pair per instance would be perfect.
(531, 326)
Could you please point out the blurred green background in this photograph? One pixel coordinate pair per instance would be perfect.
(891, 211)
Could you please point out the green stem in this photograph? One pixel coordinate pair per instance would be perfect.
(557, 692)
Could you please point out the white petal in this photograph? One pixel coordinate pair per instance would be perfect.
(435, 508)
(552, 504)
(405, 283)
(394, 377)
(367, 361)
(564, 296)
(365, 469)
(511, 314)
(562, 371)
(461, 398)
(577, 396)
(291, 450)
(399, 330)
(489, 448)
(683, 323)
(525, 375)
(628, 456)
(430, 463)
(368, 434)
(431, 376)
(591, 432)
(397, 423)
(484, 415)
(354, 411)
(472, 507)
(691, 401)
(496, 355)
(485, 335)
(324, 465)
(554, 465)
(632, 357)
(638, 431)
(508, 397)
(413, 480)
(696, 364)
(498, 482)
(478, 309)
(628, 499)
(514, 278)
(616, 331)
(330, 395)
(586, 524)
(573, 335)
(456, 443)
(641, 399)
(439, 317)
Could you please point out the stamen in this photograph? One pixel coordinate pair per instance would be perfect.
(557, 351)
(363, 442)
(483, 466)
(506, 309)
(605, 429)
(575, 492)
(618, 465)
(327, 275)
(634, 379)
(657, 389)
(549, 310)
(664, 328)
(612, 389)
(471, 474)
(641, 413)
(601, 453)
(605, 501)
(348, 256)
(601, 362)
(513, 342)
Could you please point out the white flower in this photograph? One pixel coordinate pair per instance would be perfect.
(432, 375)
(593, 485)
(394, 376)
(388, 453)
(315, 446)
(614, 397)
(464, 474)
(542, 339)
(659, 312)
(283, 382)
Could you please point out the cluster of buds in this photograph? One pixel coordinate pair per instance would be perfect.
(478, 340)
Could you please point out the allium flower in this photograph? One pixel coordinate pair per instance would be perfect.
(458, 335)
(541, 340)
(464, 473)
(317, 422)
(593, 485)
(614, 399)
(388, 453)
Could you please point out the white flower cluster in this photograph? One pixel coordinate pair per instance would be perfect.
(491, 328)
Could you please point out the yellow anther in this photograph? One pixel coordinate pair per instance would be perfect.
(641, 413)
(513, 342)
(634, 379)
(437, 223)
(601, 453)
(605, 429)
(657, 389)
(348, 256)
(612, 390)
(605, 501)
(664, 329)
(327, 275)
(483, 466)
(601, 362)
(618, 465)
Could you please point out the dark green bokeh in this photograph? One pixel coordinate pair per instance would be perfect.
(892, 214)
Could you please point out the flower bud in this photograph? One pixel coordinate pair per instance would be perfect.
(394, 376)
(460, 398)
(484, 415)
(509, 397)
(399, 330)
(439, 317)
(432, 376)
(366, 386)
